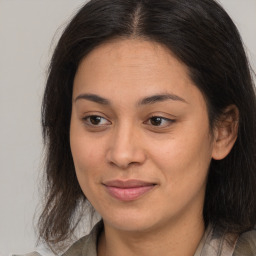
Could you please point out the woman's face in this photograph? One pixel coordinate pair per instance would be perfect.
(140, 136)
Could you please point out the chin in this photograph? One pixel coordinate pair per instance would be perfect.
(131, 221)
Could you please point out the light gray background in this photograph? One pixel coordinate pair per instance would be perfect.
(27, 29)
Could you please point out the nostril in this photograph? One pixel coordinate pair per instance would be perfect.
(123, 163)
(124, 152)
(133, 163)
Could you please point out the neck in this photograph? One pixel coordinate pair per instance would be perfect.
(174, 238)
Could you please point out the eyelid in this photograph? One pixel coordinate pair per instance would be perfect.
(86, 117)
(166, 119)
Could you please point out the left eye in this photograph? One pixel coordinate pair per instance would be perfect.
(96, 120)
(159, 121)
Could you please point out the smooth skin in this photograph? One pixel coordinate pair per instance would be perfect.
(136, 114)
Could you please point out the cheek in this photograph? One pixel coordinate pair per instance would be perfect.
(83, 154)
(88, 166)
(184, 164)
(86, 155)
(184, 159)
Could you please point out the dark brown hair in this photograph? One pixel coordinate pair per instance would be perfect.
(200, 34)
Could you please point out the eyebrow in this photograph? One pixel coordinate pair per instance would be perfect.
(93, 98)
(145, 101)
(159, 98)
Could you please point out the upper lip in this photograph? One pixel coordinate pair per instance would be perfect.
(128, 183)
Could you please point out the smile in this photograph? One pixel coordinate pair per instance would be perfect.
(128, 190)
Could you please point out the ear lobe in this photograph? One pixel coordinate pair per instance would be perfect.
(225, 132)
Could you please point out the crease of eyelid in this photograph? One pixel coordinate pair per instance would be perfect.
(85, 119)
(167, 120)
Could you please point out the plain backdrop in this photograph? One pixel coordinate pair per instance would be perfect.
(29, 30)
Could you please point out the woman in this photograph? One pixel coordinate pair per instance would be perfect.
(149, 114)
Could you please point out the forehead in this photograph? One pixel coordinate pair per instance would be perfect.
(131, 50)
(132, 68)
(133, 54)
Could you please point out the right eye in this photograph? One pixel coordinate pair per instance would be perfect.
(94, 120)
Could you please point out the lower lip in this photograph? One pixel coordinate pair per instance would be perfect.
(128, 194)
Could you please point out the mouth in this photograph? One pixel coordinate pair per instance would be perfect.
(128, 190)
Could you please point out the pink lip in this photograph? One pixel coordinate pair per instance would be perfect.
(128, 190)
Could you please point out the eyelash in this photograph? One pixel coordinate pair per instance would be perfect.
(88, 121)
(167, 120)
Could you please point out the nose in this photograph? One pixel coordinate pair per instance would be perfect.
(125, 148)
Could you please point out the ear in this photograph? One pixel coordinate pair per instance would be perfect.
(225, 132)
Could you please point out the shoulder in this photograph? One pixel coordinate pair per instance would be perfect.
(246, 244)
(28, 254)
(86, 245)
(78, 247)
(218, 242)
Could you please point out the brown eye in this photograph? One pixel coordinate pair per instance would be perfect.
(159, 121)
(156, 120)
(94, 120)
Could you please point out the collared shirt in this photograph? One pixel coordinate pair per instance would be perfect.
(213, 243)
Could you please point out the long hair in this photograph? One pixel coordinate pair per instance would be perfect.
(201, 35)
